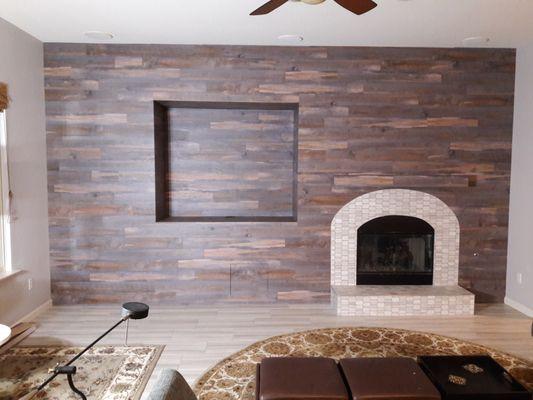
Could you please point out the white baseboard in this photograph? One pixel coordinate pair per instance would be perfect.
(519, 307)
(35, 313)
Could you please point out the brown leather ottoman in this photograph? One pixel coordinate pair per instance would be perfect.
(299, 379)
(387, 378)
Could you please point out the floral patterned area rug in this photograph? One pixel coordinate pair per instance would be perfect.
(234, 377)
(107, 372)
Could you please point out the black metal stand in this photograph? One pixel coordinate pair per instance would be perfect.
(58, 370)
(69, 372)
(132, 310)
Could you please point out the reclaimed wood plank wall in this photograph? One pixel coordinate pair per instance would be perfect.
(231, 163)
(436, 120)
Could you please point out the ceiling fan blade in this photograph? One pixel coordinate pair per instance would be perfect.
(269, 7)
(357, 6)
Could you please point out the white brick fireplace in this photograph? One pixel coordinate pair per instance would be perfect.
(444, 297)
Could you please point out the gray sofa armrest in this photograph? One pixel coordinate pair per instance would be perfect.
(171, 386)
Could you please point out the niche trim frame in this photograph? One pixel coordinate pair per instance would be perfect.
(162, 158)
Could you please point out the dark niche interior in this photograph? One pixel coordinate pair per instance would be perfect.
(225, 161)
(395, 250)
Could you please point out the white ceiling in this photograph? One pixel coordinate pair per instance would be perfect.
(435, 23)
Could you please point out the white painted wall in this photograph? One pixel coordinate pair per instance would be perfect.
(520, 259)
(21, 67)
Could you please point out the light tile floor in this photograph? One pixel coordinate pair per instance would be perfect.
(196, 337)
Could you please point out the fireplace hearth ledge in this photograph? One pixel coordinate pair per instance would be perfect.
(401, 300)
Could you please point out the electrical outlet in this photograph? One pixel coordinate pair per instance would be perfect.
(30, 284)
(519, 278)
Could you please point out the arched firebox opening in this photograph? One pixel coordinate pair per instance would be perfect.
(395, 250)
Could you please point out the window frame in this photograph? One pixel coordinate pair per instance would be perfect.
(5, 229)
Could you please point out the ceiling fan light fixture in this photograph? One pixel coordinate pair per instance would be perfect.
(358, 7)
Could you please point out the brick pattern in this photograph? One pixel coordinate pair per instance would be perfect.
(395, 202)
(414, 302)
(445, 297)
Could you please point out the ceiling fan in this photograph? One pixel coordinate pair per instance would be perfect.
(356, 6)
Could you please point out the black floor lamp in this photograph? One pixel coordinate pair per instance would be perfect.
(129, 311)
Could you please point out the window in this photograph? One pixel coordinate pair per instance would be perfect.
(5, 247)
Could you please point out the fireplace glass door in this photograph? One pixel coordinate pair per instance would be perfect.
(395, 250)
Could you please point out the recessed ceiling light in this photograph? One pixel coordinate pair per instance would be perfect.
(476, 41)
(99, 35)
(291, 38)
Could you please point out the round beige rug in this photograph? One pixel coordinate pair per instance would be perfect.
(233, 378)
